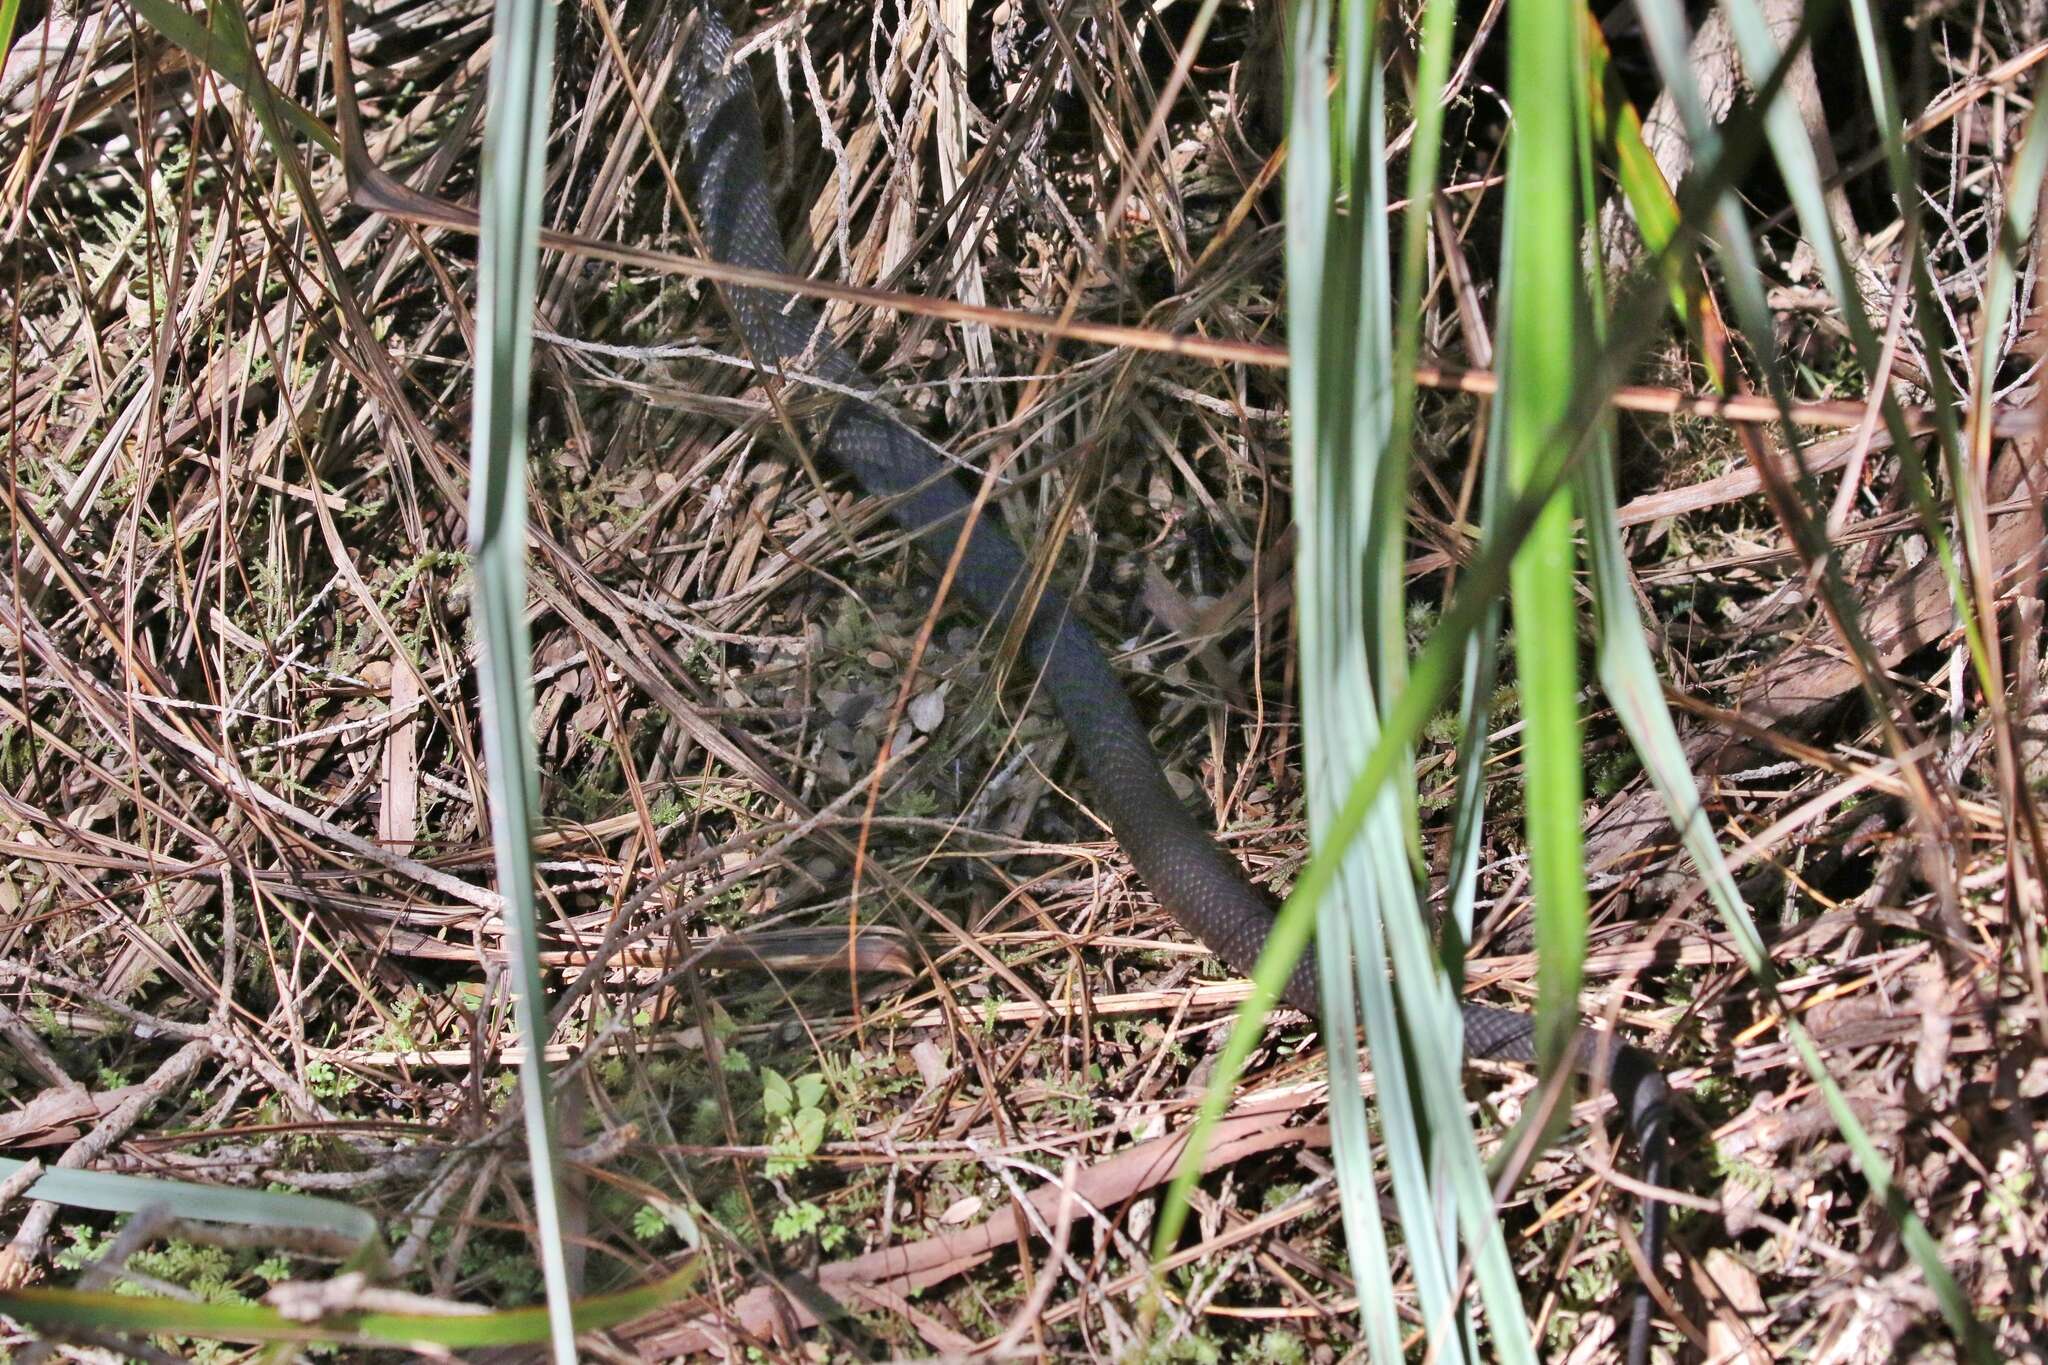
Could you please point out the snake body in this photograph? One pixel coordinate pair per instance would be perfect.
(1200, 884)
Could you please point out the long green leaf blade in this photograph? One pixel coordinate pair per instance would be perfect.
(515, 137)
(1544, 316)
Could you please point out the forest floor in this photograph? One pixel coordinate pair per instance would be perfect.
(248, 928)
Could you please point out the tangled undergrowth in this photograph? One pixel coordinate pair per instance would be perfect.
(247, 925)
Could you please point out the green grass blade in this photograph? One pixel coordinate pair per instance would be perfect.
(1433, 64)
(515, 138)
(10, 15)
(1799, 169)
(1351, 483)
(513, 146)
(1544, 312)
(1618, 130)
(223, 49)
(1623, 663)
(1481, 665)
(1435, 671)
(111, 1192)
(2022, 198)
(1930, 318)
(65, 1309)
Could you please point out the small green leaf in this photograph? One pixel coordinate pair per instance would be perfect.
(809, 1127)
(776, 1096)
(796, 1222)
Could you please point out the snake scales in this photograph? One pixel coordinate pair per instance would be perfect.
(1189, 873)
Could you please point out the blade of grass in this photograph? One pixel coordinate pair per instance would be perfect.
(1481, 661)
(2022, 823)
(515, 137)
(1341, 320)
(1800, 173)
(1967, 459)
(10, 15)
(226, 52)
(131, 1315)
(1797, 168)
(1361, 481)
(509, 225)
(112, 1192)
(1543, 326)
(1618, 130)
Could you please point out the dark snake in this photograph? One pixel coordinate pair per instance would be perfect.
(1188, 872)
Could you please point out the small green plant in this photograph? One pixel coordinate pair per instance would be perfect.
(1611, 771)
(329, 1082)
(1277, 1194)
(48, 1023)
(1184, 1349)
(916, 804)
(796, 1113)
(1281, 1347)
(649, 1226)
(207, 1271)
(400, 1034)
(272, 1269)
(1595, 1278)
(851, 630)
(797, 1222)
(86, 1247)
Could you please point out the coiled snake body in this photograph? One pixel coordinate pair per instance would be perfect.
(1200, 884)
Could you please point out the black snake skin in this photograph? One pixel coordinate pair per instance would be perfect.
(1201, 885)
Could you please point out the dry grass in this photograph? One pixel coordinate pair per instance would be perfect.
(246, 864)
